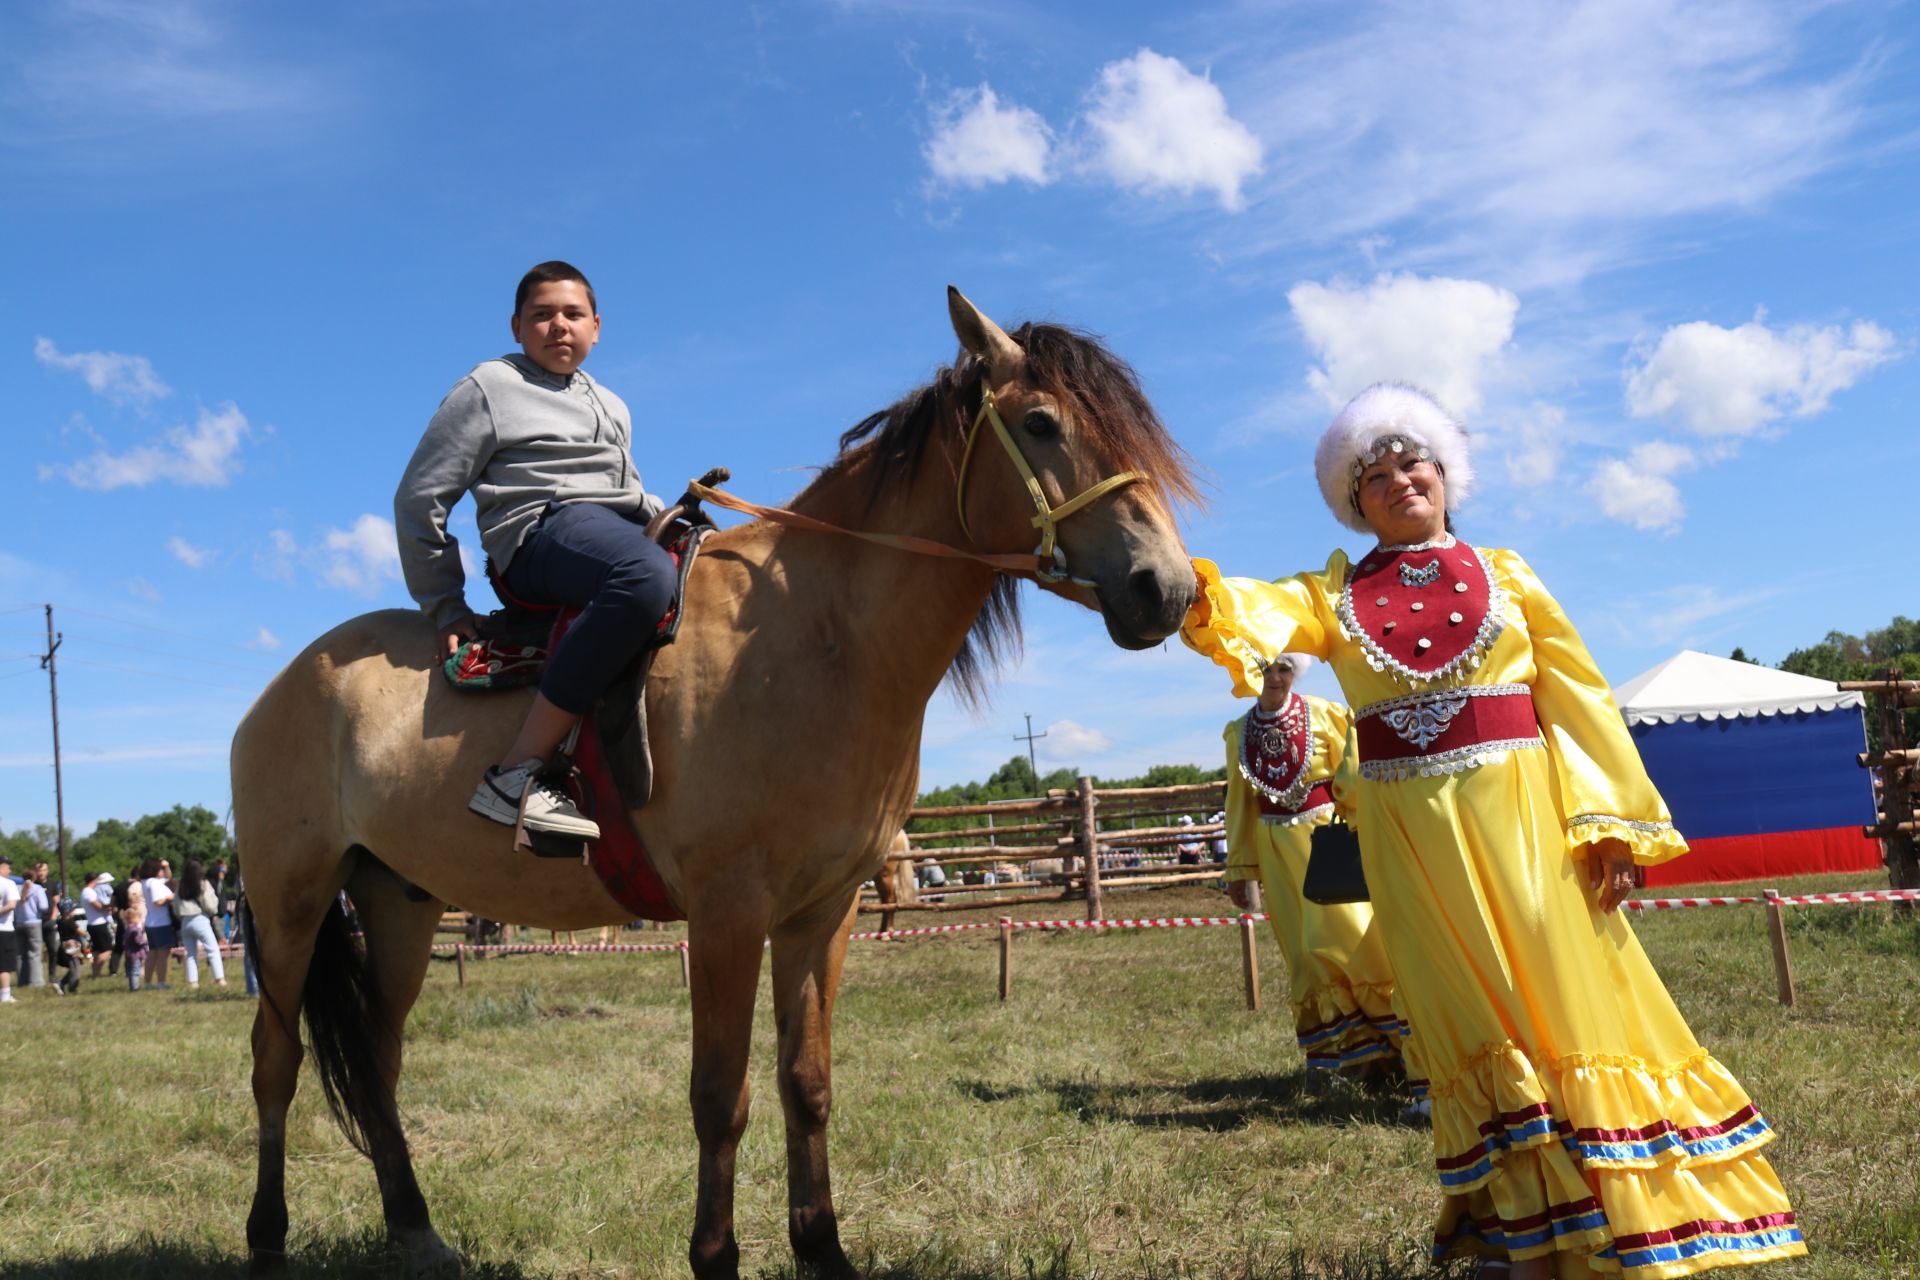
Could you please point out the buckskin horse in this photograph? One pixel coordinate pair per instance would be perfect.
(786, 724)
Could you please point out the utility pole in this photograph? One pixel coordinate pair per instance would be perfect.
(59, 797)
(1028, 738)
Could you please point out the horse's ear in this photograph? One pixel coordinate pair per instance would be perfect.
(984, 338)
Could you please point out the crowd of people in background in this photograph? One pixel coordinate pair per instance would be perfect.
(129, 927)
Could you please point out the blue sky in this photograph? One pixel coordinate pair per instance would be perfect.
(1659, 256)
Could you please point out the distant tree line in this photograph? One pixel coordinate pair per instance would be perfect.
(1015, 780)
(180, 833)
(1848, 657)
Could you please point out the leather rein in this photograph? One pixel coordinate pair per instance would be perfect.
(1046, 562)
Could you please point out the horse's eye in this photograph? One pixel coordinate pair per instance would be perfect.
(1040, 424)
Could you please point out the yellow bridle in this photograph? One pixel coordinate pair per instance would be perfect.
(1047, 518)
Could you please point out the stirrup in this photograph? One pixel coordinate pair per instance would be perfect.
(542, 844)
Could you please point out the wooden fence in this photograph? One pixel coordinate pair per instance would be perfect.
(1895, 766)
(1067, 846)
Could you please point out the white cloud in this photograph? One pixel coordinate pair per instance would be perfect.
(362, 557)
(187, 554)
(1441, 334)
(1638, 489)
(123, 70)
(1539, 442)
(141, 589)
(1732, 382)
(204, 455)
(1068, 743)
(1688, 615)
(1548, 138)
(264, 639)
(1157, 126)
(977, 141)
(277, 560)
(120, 378)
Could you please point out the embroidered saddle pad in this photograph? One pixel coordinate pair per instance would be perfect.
(514, 641)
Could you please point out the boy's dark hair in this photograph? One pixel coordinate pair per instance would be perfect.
(546, 273)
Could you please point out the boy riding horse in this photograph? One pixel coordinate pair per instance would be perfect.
(545, 452)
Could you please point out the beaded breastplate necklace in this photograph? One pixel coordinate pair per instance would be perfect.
(1274, 750)
(1422, 613)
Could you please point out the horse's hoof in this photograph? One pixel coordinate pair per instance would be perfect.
(262, 1264)
(429, 1256)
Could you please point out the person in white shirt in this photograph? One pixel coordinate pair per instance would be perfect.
(155, 873)
(9, 946)
(97, 901)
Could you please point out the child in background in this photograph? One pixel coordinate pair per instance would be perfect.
(133, 934)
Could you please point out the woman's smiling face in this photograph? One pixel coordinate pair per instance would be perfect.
(1403, 497)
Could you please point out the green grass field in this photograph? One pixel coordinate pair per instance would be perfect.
(1122, 1115)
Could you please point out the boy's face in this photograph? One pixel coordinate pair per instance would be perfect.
(557, 327)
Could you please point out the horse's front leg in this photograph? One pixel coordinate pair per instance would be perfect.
(723, 954)
(806, 975)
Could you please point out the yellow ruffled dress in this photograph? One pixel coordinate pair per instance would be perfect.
(1338, 979)
(1574, 1113)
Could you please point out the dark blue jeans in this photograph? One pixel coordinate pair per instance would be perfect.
(592, 557)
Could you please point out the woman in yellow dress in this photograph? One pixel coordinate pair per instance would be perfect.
(1282, 758)
(1579, 1128)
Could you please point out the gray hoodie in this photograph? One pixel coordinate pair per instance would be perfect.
(517, 437)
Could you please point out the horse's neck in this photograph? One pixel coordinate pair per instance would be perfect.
(901, 616)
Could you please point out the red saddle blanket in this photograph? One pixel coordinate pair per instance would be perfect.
(618, 857)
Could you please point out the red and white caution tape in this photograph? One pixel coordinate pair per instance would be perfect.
(1838, 899)
(1169, 922)
(558, 948)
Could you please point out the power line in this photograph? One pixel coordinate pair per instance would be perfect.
(170, 676)
(1029, 737)
(183, 657)
(172, 631)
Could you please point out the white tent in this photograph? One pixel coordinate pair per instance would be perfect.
(1699, 686)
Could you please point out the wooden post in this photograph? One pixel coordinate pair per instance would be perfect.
(1090, 846)
(460, 961)
(1896, 789)
(1249, 961)
(1256, 899)
(1782, 965)
(686, 967)
(1006, 956)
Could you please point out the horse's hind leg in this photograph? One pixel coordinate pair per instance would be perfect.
(280, 934)
(724, 948)
(399, 933)
(806, 976)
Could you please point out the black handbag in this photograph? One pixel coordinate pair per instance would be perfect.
(1334, 874)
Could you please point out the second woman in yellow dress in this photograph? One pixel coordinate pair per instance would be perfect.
(1283, 756)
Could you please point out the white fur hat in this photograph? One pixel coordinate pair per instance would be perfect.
(1381, 412)
(1300, 662)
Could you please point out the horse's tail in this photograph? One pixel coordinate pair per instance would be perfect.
(342, 1005)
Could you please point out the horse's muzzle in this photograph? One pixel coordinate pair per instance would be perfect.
(1147, 607)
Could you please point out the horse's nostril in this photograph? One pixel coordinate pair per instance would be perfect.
(1145, 584)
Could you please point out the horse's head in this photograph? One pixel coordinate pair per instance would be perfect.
(1072, 421)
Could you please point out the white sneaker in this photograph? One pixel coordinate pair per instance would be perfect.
(549, 811)
(6, 997)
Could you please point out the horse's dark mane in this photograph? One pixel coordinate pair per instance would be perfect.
(1070, 365)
